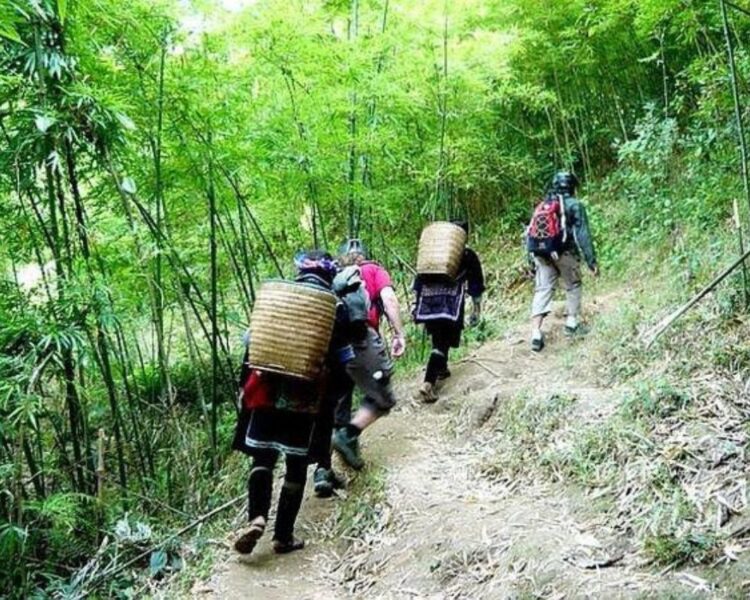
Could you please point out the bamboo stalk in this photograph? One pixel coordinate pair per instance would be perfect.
(188, 284)
(741, 244)
(107, 575)
(100, 470)
(352, 174)
(737, 8)
(158, 284)
(214, 311)
(653, 334)
(126, 368)
(240, 279)
(736, 99)
(440, 191)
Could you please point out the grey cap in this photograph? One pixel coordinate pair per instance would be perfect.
(353, 246)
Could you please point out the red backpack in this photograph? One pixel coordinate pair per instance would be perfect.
(546, 234)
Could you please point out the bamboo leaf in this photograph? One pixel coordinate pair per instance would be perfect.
(158, 562)
(62, 10)
(9, 32)
(43, 123)
(128, 186)
(650, 59)
(125, 121)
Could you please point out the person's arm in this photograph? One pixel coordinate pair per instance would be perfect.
(530, 269)
(392, 310)
(476, 310)
(474, 284)
(583, 238)
(244, 369)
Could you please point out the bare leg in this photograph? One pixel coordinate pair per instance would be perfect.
(363, 418)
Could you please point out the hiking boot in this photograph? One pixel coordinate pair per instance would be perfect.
(444, 374)
(571, 325)
(288, 546)
(325, 481)
(427, 393)
(348, 448)
(249, 537)
(537, 344)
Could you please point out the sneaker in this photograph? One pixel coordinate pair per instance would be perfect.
(249, 537)
(325, 481)
(427, 393)
(288, 546)
(537, 344)
(573, 327)
(444, 374)
(348, 448)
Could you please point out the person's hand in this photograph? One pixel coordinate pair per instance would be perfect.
(398, 345)
(595, 270)
(474, 319)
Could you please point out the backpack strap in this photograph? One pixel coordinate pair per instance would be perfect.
(563, 217)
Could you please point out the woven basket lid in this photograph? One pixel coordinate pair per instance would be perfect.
(290, 328)
(441, 248)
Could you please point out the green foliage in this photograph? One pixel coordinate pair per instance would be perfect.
(673, 550)
(527, 425)
(119, 120)
(653, 400)
(364, 510)
(592, 459)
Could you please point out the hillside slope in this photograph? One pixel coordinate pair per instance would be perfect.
(469, 498)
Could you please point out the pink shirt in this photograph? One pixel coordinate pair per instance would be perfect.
(376, 279)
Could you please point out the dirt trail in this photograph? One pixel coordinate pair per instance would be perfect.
(449, 532)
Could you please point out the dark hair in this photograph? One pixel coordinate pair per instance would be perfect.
(564, 181)
(462, 224)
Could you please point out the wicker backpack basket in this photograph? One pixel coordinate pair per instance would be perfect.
(290, 328)
(441, 247)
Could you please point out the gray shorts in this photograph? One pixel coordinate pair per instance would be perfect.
(371, 370)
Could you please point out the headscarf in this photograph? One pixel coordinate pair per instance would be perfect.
(316, 262)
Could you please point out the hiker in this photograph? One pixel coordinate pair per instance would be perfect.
(278, 415)
(443, 314)
(349, 287)
(371, 367)
(556, 237)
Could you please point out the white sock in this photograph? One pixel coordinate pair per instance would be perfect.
(571, 321)
(536, 334)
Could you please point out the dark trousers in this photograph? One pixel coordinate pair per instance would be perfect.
(340, 387)
(343, 413)
(444, 336)
(260, 488)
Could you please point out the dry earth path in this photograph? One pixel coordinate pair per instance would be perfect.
(446, 531)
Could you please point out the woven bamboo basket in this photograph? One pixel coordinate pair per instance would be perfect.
(290, 328)
(441, 248)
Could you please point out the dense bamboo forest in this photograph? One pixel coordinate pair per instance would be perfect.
(159, 159)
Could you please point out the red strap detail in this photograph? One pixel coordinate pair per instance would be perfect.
(546, 220)
(258, 392)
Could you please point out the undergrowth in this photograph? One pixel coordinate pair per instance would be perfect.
(665, 453)
(364, 508)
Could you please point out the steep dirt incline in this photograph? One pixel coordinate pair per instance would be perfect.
(446, 530)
